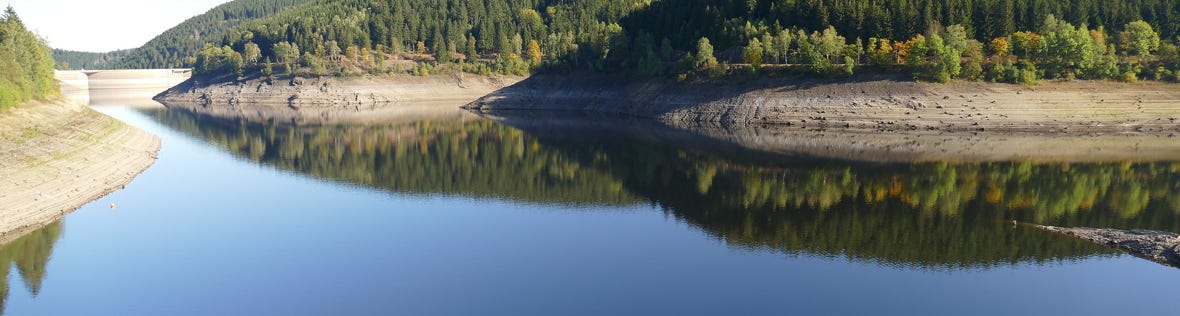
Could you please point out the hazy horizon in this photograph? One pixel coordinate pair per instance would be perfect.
(126, 23)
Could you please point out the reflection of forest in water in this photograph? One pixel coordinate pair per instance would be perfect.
(926, 214)
(29, 254)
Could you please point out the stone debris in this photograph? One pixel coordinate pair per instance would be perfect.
(1158, 246)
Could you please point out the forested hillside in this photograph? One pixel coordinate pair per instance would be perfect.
(26, 65)
(725, 21)
(174, 46)
(71, 60)
(170, 49)
(508, 32)
(997, 40)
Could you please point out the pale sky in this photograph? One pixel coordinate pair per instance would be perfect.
(104, 25)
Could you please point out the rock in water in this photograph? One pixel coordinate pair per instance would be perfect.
(1162, 247)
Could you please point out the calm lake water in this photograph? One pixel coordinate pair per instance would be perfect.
(458, 215)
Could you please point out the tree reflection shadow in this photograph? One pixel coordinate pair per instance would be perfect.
(29, 254)
(924, 215)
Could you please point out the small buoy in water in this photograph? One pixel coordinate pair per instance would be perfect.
(112, 206)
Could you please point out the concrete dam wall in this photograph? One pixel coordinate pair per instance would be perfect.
(125, 87)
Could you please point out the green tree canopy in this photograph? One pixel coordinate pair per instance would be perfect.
(1138, 38)
(26, 63)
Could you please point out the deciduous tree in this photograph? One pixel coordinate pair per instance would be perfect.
(534, 52)
(251, 53)
(704, 56)
(1138, 38)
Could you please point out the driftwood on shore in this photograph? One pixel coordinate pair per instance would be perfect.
(1158, 246)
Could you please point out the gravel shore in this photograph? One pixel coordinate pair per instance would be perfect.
(1162, 247)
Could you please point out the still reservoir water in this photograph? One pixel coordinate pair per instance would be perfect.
(459, 215)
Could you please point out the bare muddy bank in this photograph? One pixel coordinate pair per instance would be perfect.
(1158, 246)
(58, 156)
(868, 102)
(323, 100)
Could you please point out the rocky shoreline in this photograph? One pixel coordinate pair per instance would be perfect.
(326, 100)
(1158, 246)
(867, 103)
(870, 102)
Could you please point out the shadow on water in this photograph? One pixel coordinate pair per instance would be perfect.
(931, 215)
(29, 254)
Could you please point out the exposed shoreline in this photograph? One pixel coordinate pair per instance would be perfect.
(1158, 246)
(878, 103)
(57, 156)
(870, 118)
(867, 103)
(871, 146)
(327, 100)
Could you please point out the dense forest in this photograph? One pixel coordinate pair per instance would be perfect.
(171, 48)
(1018, 41)
(925, 214)
(996, 40)
(26, 64)
(72, 60)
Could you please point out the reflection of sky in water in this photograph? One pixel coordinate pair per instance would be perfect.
(203, 233)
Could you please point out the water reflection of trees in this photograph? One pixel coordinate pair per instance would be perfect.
(929, 214)
(1107, 195)
(29, 254)
(476, 158)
